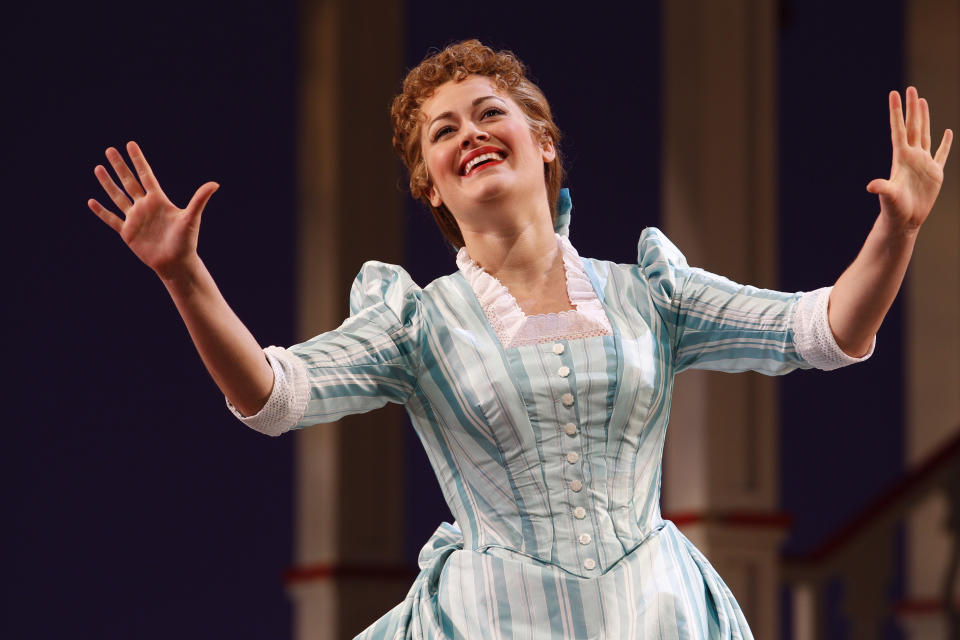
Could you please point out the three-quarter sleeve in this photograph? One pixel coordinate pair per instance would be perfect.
(369, 360)
(717, 324)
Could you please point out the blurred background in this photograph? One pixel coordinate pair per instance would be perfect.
(136, 506)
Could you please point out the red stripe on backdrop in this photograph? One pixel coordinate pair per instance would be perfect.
(316, 572)
(752, 519)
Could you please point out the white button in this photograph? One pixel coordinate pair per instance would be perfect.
(576, 485)
(558, 348)
(570, 428)
(572, 457)
(589, 563)
(579, 513)
(584, 538)
(567, 399)
(563, 371)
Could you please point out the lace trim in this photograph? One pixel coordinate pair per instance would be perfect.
(515, 329)
(288, 398)
(813, 337)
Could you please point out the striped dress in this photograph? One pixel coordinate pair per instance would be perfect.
(546, 434)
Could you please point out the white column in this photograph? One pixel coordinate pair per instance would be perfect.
(806, 611)
(933, 305)
(720, 202)
(349, 475)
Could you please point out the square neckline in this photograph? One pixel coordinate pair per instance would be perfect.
(514, 328)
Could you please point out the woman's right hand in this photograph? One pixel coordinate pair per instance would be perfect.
(165, 239)
(163, 236)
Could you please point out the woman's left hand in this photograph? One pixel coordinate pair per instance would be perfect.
(915, 175)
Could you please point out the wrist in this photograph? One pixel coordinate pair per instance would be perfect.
(182, 276)
(895, 231)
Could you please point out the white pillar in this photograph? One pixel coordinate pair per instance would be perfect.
(806, 611)
(933, 305)
(348, 509)
(720, 201)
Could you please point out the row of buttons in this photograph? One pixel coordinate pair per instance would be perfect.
(573, 457)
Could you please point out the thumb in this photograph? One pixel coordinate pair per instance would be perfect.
(879, 186)
(200, 198)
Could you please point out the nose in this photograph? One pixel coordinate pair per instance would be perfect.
(472, 133)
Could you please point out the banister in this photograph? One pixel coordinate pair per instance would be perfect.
(888, 506)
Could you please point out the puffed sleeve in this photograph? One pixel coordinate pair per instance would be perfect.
(717, 324)
(369, 360)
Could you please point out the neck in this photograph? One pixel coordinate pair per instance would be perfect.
(513, 245)
(522, 254)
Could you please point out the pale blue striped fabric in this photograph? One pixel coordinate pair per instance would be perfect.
(548, 546)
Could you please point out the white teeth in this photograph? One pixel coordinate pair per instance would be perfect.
(478, 159)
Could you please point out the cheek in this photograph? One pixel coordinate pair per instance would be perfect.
(436, 160)
(433, 165)
(524, 141)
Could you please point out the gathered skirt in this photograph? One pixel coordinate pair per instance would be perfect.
(664, 588)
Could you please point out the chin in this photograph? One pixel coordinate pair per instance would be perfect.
(493, 187)
(490, 193)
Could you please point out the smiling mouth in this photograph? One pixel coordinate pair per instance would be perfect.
(482, 162)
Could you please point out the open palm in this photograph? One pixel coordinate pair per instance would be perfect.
(915, 175)
(162, 235)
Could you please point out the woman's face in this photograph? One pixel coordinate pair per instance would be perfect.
(479, 148)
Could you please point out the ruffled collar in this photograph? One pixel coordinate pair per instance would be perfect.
(515, 328)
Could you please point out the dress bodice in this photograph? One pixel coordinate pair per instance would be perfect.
(540, 465)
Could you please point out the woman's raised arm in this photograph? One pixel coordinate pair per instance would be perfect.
(863, 294)
(164, 237)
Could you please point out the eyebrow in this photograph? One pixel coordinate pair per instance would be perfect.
(449, 114)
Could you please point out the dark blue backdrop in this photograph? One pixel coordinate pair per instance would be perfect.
(134, 506)
(843, 431)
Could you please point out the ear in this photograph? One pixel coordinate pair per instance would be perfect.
(547, 149)
(434, 196)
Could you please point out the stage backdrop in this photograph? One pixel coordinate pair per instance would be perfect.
(134, 505)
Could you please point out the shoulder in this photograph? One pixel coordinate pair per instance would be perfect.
(380, 284)
(656, 251)
(389, 285)
(657, 258)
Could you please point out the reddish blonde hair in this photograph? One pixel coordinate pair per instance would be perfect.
(456, 62)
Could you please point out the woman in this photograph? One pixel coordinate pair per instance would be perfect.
(539, 382)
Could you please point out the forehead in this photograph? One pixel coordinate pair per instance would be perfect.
(453, 95)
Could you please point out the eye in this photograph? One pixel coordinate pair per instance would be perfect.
(442, 131)
(491, 111)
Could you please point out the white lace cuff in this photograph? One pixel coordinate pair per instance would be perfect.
(812, 335)
(288, 399)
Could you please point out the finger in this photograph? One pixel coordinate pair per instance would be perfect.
(143, 169)
(200, 198)
(944, 150)
(913, 117)
(924, 124)
(898, 132)
(878, 186)
(116, 194)
(106, 215)
(130, 184)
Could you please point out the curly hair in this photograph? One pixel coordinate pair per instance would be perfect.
(457, 62)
